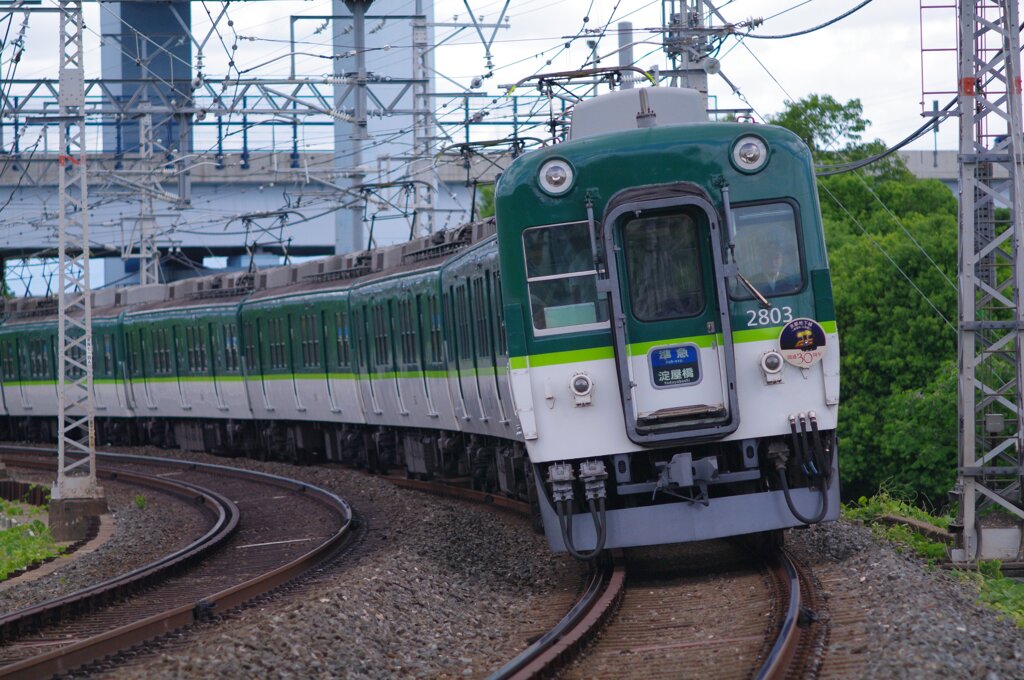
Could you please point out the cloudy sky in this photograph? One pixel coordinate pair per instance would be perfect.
(873, 55)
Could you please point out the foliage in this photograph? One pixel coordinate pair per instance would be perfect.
(885, 503)
(24, 545)
(140, 501)
(1003, 594)
(882, 504)
(822, 122)
(887, 233)
(484, 200)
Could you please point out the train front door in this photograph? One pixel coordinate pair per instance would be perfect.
(670, 321)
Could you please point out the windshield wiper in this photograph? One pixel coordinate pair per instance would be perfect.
(753, 291)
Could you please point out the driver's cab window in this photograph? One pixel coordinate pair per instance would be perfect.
(767, 250)
(562, 280)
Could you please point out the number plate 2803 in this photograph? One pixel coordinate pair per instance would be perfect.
(672, 366)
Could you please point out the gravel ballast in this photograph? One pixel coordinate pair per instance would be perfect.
(443, 589)
(899, 616)
(436, 589)
(141, 535)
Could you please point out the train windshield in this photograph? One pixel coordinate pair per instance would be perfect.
(562, 279)
(767, 250)
(663, 266)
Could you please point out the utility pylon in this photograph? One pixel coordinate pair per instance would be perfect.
(75, 493)
(991, 284)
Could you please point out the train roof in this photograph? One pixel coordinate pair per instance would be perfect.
(333, 273)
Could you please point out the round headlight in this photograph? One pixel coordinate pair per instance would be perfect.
(749, 153)
(581, 384)
(771, 362)
(556, 177)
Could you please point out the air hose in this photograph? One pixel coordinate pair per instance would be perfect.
(597, 512)
(806, 458)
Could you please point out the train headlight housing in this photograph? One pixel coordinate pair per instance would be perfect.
(556, 176)
(771, 367)
(582, 387)
(749, 154)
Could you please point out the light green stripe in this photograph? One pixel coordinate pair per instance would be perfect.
(572, 356)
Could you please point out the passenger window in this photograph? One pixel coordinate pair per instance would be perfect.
(767, 250)
(561, 278)
(663, 266)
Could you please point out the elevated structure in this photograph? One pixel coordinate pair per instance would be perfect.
(991, 282)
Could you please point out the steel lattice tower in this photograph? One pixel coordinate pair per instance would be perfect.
(991, 280)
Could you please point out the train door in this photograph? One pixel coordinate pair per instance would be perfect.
(325, 337)
(424, 320)
(492, 314)
(365, 325)
(457, 347)
(181, 365)
(142, 372)
(297, 339)
(261, 343)
(216, 359)
(673, 337)
(392, 344)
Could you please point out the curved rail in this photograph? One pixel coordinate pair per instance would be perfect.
(225, 512)
(129, 635)
(780, 659)
(558, 646)
(440, 488)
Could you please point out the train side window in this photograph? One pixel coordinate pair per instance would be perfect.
(435, 330)
(310, 341)
(767, 250)
(663, 265)
(462, 320)
(230, 347)
(499, 316)
(481, 312)
(249, 353)
(561, 279)
(108, 354)
(9, 363)
(342, 338)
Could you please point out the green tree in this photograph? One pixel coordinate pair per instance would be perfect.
(484, 200)
(892, 250)
(823, 123)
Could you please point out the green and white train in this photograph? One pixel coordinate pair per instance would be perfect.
(643, 344)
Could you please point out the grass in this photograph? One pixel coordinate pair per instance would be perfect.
(140, 501)
(998, 592)
(24, 545)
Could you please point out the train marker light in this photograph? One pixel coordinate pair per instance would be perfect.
(749, 154)
(582, 386)
(556, 177)
(771, 366)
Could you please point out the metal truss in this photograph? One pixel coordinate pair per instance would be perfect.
(991, 283)
(75, 404)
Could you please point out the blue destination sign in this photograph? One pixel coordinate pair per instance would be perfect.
(672, 366)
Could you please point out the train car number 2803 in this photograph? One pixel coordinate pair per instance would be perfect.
(767, 317)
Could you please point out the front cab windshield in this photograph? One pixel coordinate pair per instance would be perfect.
(562, 279)
(767, 250)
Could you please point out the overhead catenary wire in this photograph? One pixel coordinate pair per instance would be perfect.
(828, 23)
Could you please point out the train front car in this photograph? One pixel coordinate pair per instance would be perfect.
(673, 350)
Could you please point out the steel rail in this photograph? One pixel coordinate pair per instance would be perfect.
(441, 488)
(145, 630)
(556, 648)
(778, 664)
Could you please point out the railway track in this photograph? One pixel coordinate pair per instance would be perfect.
(265, 531)
(656, 623)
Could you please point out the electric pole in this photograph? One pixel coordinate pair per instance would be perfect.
(991, 282)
